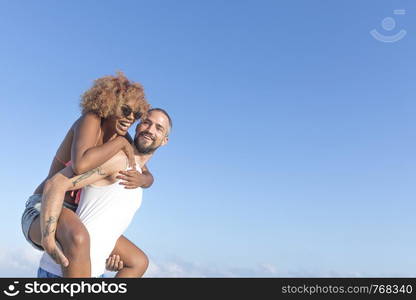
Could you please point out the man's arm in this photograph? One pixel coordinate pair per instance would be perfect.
(134, 179)
(148, 177)
(54, 193)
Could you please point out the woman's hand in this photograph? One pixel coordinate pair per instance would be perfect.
(132, 179)
(54, 251)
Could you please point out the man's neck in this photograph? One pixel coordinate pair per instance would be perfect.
(143, 158)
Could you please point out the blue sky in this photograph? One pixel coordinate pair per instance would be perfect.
(292, 151)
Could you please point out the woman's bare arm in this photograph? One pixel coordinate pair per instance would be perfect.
(53, 197)
(85, 155)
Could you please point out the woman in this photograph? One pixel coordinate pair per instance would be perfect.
(109, 108)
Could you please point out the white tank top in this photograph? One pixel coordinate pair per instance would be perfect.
(106, 212)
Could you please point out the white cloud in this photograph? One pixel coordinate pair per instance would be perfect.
(19, 262)
(24, 261)
(177, 267)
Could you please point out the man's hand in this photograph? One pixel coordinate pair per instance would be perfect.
(132, 179)
(113, 263)
(55, 252)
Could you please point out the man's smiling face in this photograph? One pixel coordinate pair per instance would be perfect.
(152, 132)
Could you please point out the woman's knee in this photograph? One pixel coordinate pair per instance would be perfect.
(139, 262)
(80, 238)
(76, 241)
(72, 234)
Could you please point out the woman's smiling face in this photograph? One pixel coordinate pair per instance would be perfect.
(127, 114)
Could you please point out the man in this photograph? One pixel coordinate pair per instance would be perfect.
(106, 208)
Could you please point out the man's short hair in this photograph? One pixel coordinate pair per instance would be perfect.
(164, 112)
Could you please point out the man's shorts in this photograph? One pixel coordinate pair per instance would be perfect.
(32, 211)
(45, 274)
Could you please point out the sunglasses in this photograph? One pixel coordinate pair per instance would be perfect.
(126, 110)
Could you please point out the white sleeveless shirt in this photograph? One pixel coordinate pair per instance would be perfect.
(106, 211)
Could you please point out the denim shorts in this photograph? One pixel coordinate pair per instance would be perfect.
(45, 274)
(32, 211)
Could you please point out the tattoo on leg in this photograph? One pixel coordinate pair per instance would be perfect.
(88, 174)
(49, 224)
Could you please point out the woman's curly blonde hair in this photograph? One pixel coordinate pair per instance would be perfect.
(110, 92)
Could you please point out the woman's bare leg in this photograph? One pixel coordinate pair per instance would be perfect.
(74, 239)
(135, 261)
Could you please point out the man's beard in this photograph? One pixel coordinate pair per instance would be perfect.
(144, 149)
